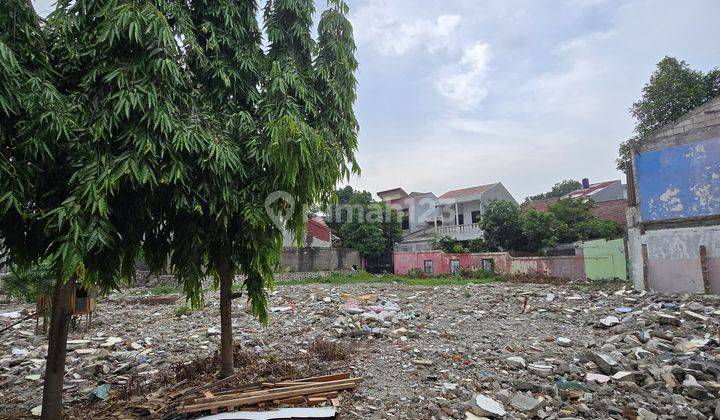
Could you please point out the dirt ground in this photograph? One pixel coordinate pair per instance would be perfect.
(424, 352)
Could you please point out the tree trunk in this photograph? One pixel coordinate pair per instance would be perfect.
(226, 274)
(57, 349)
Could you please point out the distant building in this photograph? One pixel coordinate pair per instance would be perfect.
(455, 213)
(610, 199)
(317, 235)
(674, 199)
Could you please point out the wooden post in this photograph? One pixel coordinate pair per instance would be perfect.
(705, 269)
(646, 268)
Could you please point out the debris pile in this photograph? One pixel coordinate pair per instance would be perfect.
(595, 350)
(319, 390)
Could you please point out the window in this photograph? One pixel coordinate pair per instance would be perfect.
(475, 216)
(454, 266)
(488, 264)
(428, 267)
(405, 219)
(461, 219)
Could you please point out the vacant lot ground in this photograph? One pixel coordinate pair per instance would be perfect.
(423, 351)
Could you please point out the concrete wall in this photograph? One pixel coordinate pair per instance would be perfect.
(680, 181)
(676, 206)
(570, 267)
(674, 258)
(605, 259)
(319, 259)
(421, 209)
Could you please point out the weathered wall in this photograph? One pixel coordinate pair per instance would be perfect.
(674, 258)
(680, 181)
(571, 267)
(676, 206)
(605, 259)
(568, 266)
(319, 259)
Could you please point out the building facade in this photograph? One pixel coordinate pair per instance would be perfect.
(456, 213)
(674, 205)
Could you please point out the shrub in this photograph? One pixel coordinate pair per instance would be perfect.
(328, 350)
(179, 311)
(475, 273)
(28, 284)
(416, 273)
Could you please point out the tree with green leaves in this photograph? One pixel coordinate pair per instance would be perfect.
(118, 140)
(501, 226)
(674, 89)
(36, 125)
(558, 190)
(364, 224)
(541, 229)
(370, 228)
(450, 245)
(215, 230)
(567, 220)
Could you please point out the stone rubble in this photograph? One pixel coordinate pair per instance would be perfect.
(425, 352)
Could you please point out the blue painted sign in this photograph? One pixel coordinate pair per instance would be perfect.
(680, 181)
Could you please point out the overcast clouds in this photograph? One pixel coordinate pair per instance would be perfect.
(456, 93)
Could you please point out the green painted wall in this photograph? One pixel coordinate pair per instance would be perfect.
(605, 259)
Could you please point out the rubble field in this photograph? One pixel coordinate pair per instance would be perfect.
(512, 350)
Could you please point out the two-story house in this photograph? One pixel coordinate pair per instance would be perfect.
(456, 213)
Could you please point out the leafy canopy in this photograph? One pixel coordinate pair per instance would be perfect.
(558, 190)
(501, 226)
(673, 90)
(362, 223)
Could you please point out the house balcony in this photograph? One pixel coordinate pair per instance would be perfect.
(460, 232)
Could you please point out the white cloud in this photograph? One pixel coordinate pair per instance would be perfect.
(465, 84)
(390, 34)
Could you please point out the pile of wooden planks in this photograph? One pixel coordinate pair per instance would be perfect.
(309, 391)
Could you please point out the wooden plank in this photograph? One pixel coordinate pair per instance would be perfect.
(208, 394)
(327, 378)
(315, 379)
(268, 391)
(325, 387)
(291, 401)
(705, 268)
(331, 394)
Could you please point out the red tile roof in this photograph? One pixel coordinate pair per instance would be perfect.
(316, 228)
(593, 188)
(467, 191)
(612, 210)
(540, 205)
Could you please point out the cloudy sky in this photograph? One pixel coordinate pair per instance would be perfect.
(457, 93)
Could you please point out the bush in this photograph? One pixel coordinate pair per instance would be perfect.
(475, 273)
(179, 311)
(28, 284)
(416, 273)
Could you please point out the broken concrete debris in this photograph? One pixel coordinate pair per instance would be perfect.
(485, 406)
(424, 352)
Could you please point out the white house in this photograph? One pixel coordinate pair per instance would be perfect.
(455, 213)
